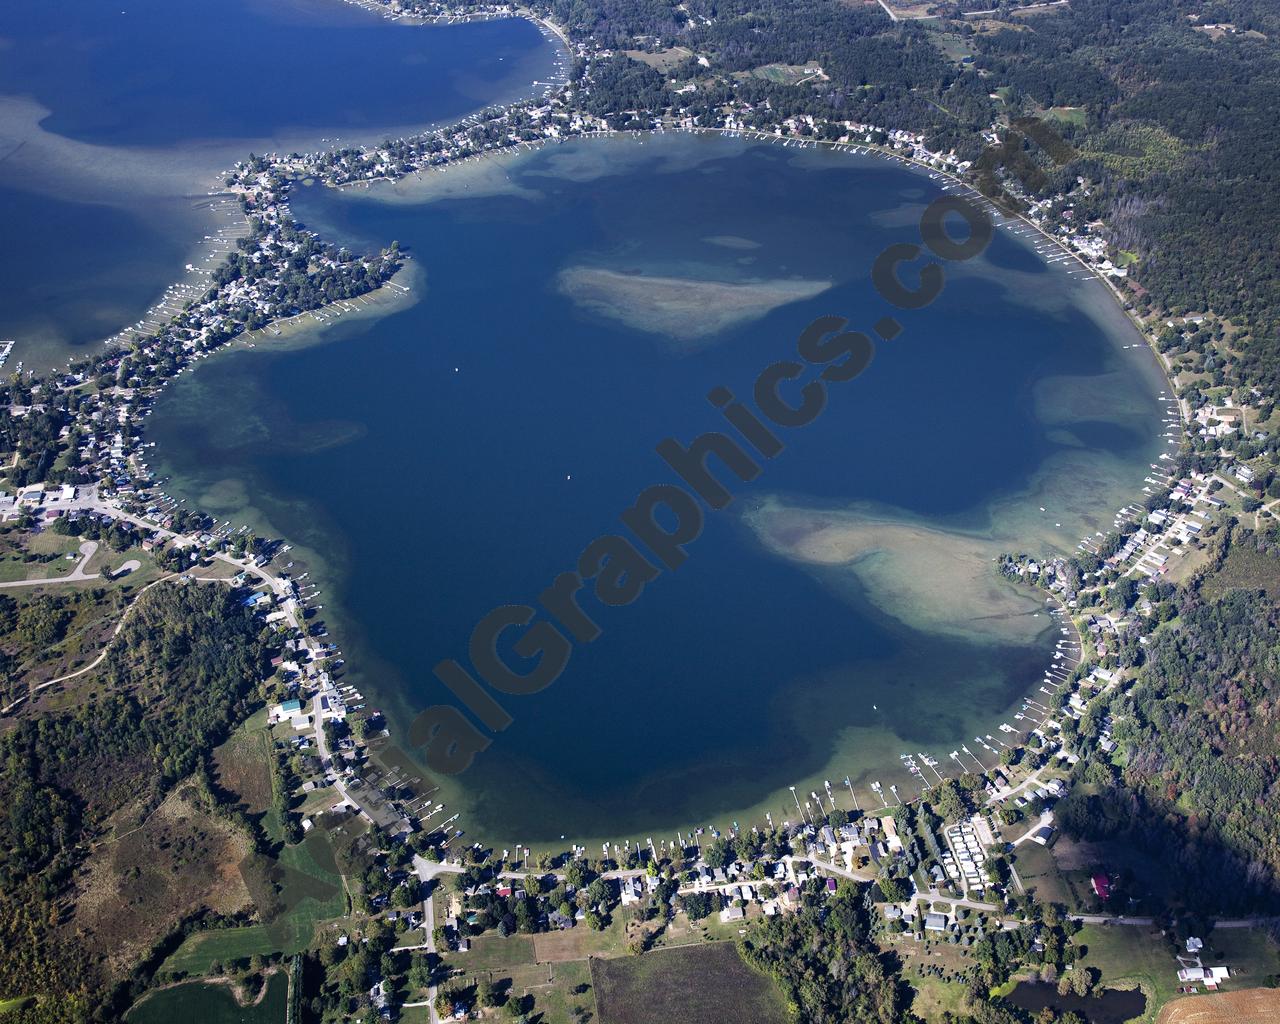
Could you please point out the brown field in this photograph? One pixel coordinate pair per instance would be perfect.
(662, 60)
(135, 888)
(1246, 568)
(242, 766)
(1249, 1006)
(1078, 855)
(557, 947)
(690, 984)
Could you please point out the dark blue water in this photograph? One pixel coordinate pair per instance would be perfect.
(82, 269)
(148, 101)
(456, 456)
(150, 72)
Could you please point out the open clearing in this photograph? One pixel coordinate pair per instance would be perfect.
(1130, 955)
(1247, 568)
(1251, 1006)
(311, 891)
(661, 60)
(212, 1004)
(242, 765)
(138, 886)
(693, 985)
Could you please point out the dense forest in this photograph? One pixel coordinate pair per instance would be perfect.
(1164, 108)
(824, 962)
(1195, 781)
(1181, 136)
(171, 686)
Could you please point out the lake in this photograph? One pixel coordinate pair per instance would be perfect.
(1108, 1006)
(575, 305)
(115, 120)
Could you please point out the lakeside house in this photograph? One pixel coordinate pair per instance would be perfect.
(289, 709)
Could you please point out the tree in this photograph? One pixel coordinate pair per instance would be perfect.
(893, 890)
(951, 802)
(1081, 980)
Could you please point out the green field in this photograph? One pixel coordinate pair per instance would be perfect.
(1040, 873)
(704, 984)
(1067, 115)
(211, 1004)
(935, 998)
(494, 953)
(787, 74)
(311, 892)
(1130, 955)
(1248, 952)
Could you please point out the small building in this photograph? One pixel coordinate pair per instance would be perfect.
(287, 709)
(630, 891)
(730, 914)
(935, 922)
(1210, 977)
(1044, 835)
(1101, 885)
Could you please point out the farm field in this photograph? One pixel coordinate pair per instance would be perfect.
(311, 892)
(693, 985)
(1249, 1006)
(212, 1004)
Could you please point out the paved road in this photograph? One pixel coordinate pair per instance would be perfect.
(428, 871)
(1046, 818)
(96, 661)
(77, 575)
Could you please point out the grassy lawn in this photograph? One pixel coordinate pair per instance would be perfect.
(930, 969)
(934, 998)
(494, 953)
(1248, 952)
(1039, 872)
(107, 563)
(693, 985)
(562, 993)
(1130, 956)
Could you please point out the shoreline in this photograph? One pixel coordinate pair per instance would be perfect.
(476, 161)
(190, 173)
(777, 137)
